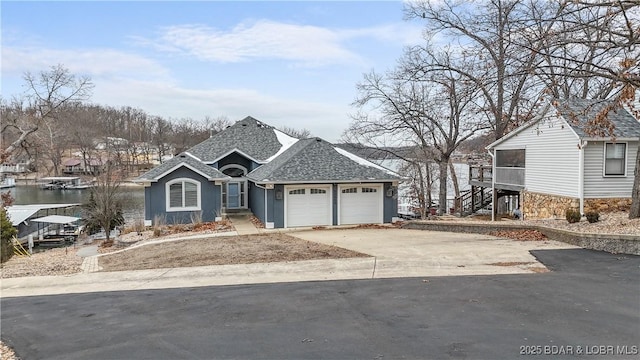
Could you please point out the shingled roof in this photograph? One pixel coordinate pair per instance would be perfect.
(182, 160)
(578, 113)
(316, 160)
(249, 136)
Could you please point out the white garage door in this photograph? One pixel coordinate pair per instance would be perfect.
(308, 206)
(360, 204)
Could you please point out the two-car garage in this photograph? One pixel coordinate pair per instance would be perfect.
(312, 205)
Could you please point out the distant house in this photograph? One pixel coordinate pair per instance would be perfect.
(553, 162)
(286, 182)
(79, 166)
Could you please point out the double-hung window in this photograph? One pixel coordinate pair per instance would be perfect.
(183, 195)
(615, 159)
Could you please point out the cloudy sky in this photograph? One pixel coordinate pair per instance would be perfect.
(290, 64)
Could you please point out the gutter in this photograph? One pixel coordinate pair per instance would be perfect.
(581, 146)
(493, 184)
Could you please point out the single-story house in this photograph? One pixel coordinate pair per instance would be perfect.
(79, 166)
(285, 182)
(555, 161)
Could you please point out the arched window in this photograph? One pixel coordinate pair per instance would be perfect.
(183, 195)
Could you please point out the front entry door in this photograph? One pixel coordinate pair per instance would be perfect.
(233, 195)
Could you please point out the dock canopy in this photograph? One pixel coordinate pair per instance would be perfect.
(20, 213)
(57, 219)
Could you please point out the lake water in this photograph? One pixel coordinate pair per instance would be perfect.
(133, 208)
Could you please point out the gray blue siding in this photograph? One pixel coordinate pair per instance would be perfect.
(275, 211)
(155, 199)
(390, 204)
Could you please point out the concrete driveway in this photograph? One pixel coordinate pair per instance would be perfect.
(395, 253)
(586, 308)
(404, 252)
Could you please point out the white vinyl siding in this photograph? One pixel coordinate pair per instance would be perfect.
(552, 162)
(596, 185)
(183, 195)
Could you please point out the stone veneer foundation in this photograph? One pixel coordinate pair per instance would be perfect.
(545, 206)
(607, 205)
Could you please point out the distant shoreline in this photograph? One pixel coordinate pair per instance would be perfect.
(33, 182)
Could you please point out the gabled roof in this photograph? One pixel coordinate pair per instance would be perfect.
(248, 136)
(578, 112)
(316, 160)
(176, 162)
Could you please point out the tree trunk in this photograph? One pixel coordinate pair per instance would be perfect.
(454, 179)
(442, 197)
(420, 191)
(428, 183)
(634, 212)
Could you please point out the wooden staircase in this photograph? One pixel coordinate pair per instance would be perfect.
(473, 200)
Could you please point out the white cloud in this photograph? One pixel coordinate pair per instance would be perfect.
(92, 62)
(403, 33)
(264, 39)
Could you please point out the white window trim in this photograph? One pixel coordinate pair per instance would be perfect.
(182, 208)
(604, 159)
(238, 180)
(235, 166)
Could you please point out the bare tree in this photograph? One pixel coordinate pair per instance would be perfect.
(434, 113)
(296, 133)
(162, 130)
(47, 92)
(489, 55)
(104, 208)
(597, 43)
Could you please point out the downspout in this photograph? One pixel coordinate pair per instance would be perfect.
(266, 218)
(493, 184)
(581, 146)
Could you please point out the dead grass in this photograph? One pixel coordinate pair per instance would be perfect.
(57, 261)
(223, 250)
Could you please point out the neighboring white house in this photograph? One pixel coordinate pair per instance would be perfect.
(553, 162)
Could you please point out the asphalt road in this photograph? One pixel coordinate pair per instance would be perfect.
(589, 305)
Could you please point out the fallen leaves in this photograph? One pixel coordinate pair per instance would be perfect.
(520, 235)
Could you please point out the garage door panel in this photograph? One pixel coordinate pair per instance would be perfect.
(360, 204)
(308, 206)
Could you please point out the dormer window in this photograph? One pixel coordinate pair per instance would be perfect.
(234, 170)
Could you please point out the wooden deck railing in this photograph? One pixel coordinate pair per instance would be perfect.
(482, 173)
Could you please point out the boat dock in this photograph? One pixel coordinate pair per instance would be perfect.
(63, 183)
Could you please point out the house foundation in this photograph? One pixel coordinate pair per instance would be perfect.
(607, 205)
(545, 206)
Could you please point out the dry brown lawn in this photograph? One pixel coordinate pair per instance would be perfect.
(222, 250)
